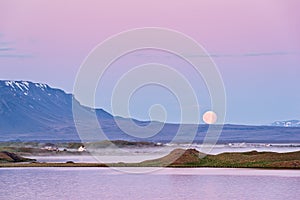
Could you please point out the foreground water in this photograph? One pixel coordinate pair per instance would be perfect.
(168, 183)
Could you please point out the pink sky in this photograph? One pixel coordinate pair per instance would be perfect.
(50, 39)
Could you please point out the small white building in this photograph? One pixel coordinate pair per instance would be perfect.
(81, 148)
(50, 148)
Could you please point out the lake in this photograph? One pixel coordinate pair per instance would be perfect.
(167, 183)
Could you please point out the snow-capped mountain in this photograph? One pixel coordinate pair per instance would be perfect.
(36, 111)
(27, 107)
(289, 123)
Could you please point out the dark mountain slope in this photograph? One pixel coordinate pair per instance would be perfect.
(35, 111)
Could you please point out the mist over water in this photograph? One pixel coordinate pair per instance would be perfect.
(139, 154)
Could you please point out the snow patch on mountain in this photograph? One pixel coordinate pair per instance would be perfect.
(20, 85)
(288, 123)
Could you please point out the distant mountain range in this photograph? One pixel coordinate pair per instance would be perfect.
(289, 123)
(35, 111)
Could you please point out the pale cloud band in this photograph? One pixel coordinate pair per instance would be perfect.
(252, 54)
(6, 51)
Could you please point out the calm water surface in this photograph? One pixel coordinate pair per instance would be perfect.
(106, 183)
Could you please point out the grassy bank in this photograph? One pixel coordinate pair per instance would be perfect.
(192, 158)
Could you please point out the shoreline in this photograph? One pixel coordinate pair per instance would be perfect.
(180, 158)
(115, 165)
(176, 158)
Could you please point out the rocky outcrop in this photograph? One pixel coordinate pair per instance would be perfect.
(12, 157)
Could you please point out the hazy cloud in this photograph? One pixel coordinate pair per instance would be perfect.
(7, 51)
(283, 53)
(252, 54)
(15, 56)
(227, 55)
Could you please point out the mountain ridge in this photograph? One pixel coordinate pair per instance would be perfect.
(36, 111)
(44, 106)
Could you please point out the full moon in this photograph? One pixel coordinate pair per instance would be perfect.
(210, 117)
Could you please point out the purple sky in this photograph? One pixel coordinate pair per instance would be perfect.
(255, 44)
